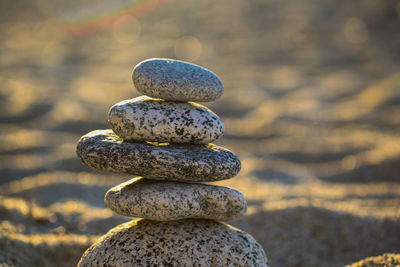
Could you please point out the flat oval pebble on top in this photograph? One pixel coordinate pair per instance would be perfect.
(103, 150)
(166, 201)
(176, 80)
(151, 119)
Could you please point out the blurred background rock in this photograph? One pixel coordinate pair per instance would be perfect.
(311, 106)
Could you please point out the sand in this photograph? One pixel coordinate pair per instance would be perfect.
(310, 106)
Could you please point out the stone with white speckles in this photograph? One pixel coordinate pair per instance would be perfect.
(102, 150)
(176, 80)
(150, 119)
(166, 201)
(175, 243)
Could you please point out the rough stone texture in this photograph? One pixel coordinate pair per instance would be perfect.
(102, 150)
(176, 80)
(175, 243)
(385, 260)
(165, 201)
(150, 119)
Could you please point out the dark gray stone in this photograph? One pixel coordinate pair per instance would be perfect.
(102, 150)
(166, 201)
(176, 80)
(151, 119)
(186, 243)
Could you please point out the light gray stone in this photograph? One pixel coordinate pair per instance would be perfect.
(102, 150)
(166, 201)
(186, 243)
(176, 80)
(151, 119)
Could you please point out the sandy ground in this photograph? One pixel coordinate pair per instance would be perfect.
(311, 107)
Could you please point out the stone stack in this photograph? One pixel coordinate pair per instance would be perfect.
(165, 139)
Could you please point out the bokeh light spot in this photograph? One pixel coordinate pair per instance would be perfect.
(398, 9)
(356, 31)
(349, 163)
(188, 48)
(126, 29)
(52, 54)
(285, 78)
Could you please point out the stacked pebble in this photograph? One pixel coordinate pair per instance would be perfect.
(165, 139)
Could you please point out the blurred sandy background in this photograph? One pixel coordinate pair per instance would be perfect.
(311, 107)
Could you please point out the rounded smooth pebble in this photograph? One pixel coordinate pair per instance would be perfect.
(186, 243)
(176, 80)
(150, 119)
(102, 150)
(166, 201)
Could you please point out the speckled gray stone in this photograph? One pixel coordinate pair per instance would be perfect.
(187, 243)
(151, 119)
(176, 80)
(104, 151)
(166, 201)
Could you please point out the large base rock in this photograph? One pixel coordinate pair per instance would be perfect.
(175, 243)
